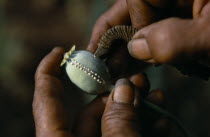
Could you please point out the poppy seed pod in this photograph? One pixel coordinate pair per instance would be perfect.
(87, 71)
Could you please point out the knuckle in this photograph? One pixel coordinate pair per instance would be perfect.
(116, 118)
(119, 113)
(43, 86)
(35, 106)
(101, 20)
(48, 87)
(162, 43)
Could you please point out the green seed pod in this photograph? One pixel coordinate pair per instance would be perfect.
(87, 71)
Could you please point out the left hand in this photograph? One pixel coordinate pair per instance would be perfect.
(111, 116)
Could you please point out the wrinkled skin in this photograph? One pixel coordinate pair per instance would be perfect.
(117, 114)
(157, 42)
(171, 30)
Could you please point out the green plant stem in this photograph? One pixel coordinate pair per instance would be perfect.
(168, 115)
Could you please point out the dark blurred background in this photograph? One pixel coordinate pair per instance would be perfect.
(29, 29)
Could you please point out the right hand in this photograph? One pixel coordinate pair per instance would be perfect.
(138, 12)
(142, 13)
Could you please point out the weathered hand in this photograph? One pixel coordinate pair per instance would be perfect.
(164, 41)
(48, 110)
(116, 115)
(138, 12)
(123, 12)
(141, 13)
(173, 39)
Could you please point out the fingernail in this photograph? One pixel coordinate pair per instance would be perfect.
(124, 92)
(139, 48)
(151, 61)
(91, 47)
(58, 49)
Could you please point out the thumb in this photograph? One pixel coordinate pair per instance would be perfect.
(120, 118)
(170, 40)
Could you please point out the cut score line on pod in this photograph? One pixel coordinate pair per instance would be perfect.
(86, 70)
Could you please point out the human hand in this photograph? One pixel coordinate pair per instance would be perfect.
(138, 12)
(116, 115)
(174, 39)
(123, 12)
(164, 39)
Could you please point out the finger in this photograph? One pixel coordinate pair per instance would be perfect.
(198, 6)
(142, 12)
(163, 42)
(142, 33)
(157, 96)
(161, 126)
(117, 15)
(48, 109)
(89, 122)
(50, 65)
(205, 9)
(139, 49)
(141, 82)
(119, 117)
